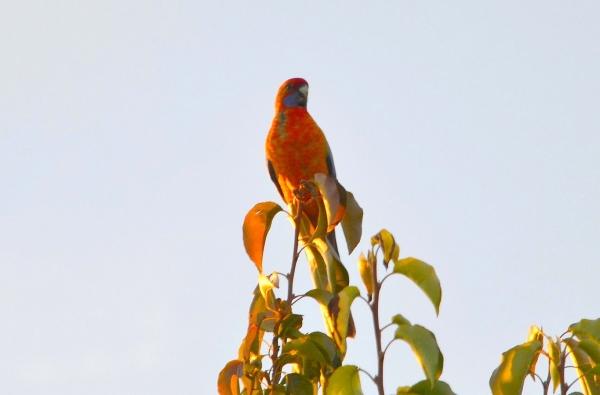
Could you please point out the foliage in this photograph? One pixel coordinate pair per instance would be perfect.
(581, 342)
(276, 356)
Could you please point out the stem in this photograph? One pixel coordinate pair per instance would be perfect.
(295, 256)
(375, 313)
(290, 293)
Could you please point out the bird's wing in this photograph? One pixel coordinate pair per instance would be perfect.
(274, 178)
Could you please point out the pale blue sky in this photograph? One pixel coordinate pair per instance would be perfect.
(132, 145)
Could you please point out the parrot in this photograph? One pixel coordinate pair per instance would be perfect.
(296, 150)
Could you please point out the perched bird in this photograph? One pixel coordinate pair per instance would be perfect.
(296, 147)
(296, 150)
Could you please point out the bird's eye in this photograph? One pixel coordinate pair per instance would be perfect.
(288, 87)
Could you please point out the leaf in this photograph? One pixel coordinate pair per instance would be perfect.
(425, 347)
(297, 384)
(334, 198)
(423, 275)
(366, 274)
(591, 349)
(341, 312)
(266, 290)
(228, 382)
(399, 319)
(317, 266)
(352, 222)
(584, 365)
(313, 355)
(256, 226)
(535, 333)
(388, 245)
(554, 353)
(344, 381)
(508, 378)
(587, 329)
(424, 388)
(289, 328)
(336, 312)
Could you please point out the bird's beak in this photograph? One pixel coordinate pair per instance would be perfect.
(303, 90)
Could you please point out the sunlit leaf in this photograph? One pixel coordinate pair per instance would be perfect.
(583, 364)
(366, 274)
(228, 381)
(554, 353)
(388, 245)
(266, 290)
(341, 312)
(425, 347)
(256, 226)
(344, 381)
(296, 384)
(352, 222)
(424, 276)
(587, 329)
(535, 333)
(424, 388)
(509, 377)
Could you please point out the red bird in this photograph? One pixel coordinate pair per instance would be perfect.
(296, 147)
(297, 150)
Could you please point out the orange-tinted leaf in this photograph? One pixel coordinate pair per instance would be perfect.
(256, 226)
(228, 382)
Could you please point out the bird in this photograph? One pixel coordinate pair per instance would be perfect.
(296, 147)
(296, 150)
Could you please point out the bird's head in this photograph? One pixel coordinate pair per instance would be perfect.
(293, 93)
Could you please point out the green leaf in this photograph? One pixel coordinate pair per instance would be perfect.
(399, 319)
(256, 226)
(509, 377)
(289, 328)
(423, 275)
(297, 384)
(425, 347)
(592, 349)
(584, 365)
(228, 381)
(317, 266)
(313, 354)
(587, 329)
(424, 388)
(344, 381)
(352, 222)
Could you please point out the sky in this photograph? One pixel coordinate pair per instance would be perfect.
(132, 145)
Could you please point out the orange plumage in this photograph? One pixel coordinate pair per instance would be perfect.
(296, 147)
